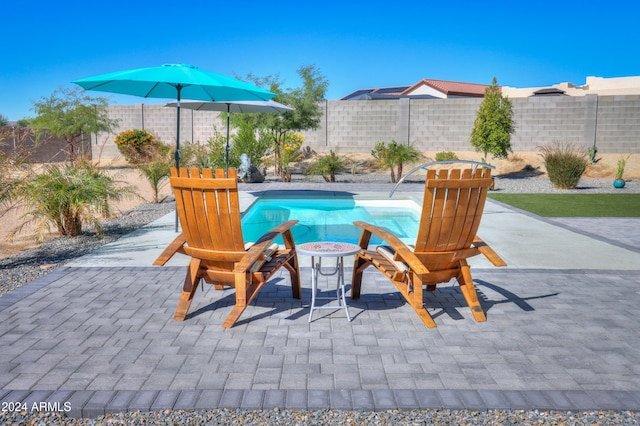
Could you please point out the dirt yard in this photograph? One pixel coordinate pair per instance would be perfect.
(604, 167)
(517, 162)
(120, 170)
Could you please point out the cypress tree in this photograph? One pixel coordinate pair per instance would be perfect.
(494, 124)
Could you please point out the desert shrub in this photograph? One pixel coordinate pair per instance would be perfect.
(290, 152)
(243, 142)
(136, 145)
(446, 155)
(353, 165)
(13, 162)
(327, 166)
(246, 142)
(216, 147)
(515, 158)
(565, 164)
(191, 155)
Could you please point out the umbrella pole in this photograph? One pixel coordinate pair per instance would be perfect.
(177, 153)
(226, 154)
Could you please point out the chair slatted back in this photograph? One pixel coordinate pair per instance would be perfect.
(209, 210)
(453, 204)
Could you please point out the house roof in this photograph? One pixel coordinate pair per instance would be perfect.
(549, 91)
(451, 88)
(448, 88)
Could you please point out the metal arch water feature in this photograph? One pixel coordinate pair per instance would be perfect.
(425, 166)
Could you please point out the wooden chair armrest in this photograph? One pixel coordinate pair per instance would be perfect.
(488, 252)
(174, 247)
(402, 250)
(256, 252)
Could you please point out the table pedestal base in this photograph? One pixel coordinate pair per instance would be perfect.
(340, 287)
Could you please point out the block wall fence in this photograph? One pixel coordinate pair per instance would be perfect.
(611, 122)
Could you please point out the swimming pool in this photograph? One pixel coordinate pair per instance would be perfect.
(331, 219)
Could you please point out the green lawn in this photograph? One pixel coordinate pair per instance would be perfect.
(574, 205)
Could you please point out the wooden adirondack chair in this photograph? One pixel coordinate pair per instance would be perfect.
(451, 213)
(209, 213)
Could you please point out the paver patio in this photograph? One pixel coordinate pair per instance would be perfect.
(100, 335)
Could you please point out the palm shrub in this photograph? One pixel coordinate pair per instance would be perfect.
(327, 166)
(66, 196)
(565, 164)
(383, 155)
(158, 169)
(136, 145)
(394, 156)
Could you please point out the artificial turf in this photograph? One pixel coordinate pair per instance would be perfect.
(574, 205)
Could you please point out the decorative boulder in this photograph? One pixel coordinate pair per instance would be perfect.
(254, 175)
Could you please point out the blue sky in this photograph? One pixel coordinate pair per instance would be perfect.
(354, 44)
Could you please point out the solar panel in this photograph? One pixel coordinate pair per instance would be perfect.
(396, 89)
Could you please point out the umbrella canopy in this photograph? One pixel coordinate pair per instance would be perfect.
(175, 81)
(236, 107)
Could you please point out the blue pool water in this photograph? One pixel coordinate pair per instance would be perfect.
(331, 219)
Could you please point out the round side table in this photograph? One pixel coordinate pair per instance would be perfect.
(328, 249)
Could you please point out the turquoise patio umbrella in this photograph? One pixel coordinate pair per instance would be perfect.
(176, 81)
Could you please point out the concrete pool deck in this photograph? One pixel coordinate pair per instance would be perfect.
(524, 240)
(561, 330)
